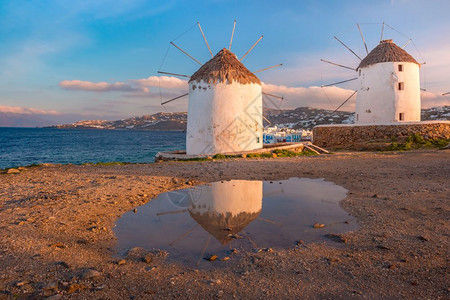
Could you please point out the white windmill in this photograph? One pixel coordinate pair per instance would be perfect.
(225, 112)
(389, 84)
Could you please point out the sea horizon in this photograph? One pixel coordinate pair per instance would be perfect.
(25, 146)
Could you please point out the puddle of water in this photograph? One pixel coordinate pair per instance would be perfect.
(212, 219)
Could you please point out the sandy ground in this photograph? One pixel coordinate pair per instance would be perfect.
(56, 236)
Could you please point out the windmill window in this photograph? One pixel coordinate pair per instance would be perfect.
(400, 68)
(359, 72)
(401, 86)
(401, 116)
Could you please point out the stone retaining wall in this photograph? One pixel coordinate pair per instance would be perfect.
(181, 154)
(355, 136)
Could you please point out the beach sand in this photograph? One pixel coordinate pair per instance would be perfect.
(56, 234)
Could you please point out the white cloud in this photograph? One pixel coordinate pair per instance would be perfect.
(135, 88)
(97, 86)
(313, 96)
(163, 82)
(26, 110)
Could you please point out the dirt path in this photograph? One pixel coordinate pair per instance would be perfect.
(56, 235)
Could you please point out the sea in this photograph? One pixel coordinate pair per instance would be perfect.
(27, 146)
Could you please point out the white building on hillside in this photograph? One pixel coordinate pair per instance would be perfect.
(389, 86)
(225, 107)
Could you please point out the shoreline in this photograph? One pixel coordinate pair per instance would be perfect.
(56, 223)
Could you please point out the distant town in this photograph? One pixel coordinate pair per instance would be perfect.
(299, 118)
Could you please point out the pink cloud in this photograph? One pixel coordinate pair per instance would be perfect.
(313, 96)
(331, 97)
(96, 86)
(26, 110)
(135, 88)
(163, 82)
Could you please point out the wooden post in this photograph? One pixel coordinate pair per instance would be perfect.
(347, 48)
(209, 49)
(251, 48)
(174, 74)
(382, 30)
(186, 53)
(339, 82)
(364, 41)
(232, 34)
(268, 68)
(174, 99)
(337, 64)
(345, 101)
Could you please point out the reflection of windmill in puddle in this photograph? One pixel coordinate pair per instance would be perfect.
(223, 209)
(389, 83)
(225, 103)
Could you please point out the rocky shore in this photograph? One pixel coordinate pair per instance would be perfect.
(56, 237)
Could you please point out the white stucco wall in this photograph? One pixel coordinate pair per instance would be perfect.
(224, 118)
(234, 197)
(380, 101)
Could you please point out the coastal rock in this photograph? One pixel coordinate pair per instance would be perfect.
(90, 274)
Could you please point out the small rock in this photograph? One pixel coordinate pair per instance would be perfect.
(212, 257)
(318, 225)
(374, 196)
(220, 294)
(64, 264)
(50, 286)
(12, 171)
(414, 283)
(90, 274)
(74, 287)
(147, 258)
(235, 236)
(135, 210)
(422, 238)
(58, 245)
(392, 266)
(225, 258)
(300, 242)
(21, 283)
(382, 247)
(334, 260)
(93, 228)
(121, 262)
(234, 251)
(336, 238)
(214, 282)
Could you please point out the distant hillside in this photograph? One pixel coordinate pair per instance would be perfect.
(301, 117)
(22, 120)
(159, 121)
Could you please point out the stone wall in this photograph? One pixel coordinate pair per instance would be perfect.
(356, 136)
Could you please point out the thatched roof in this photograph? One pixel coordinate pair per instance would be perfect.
(225, 68)
(386, 51)
(222, 226)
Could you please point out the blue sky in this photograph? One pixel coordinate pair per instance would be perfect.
(71, 60)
